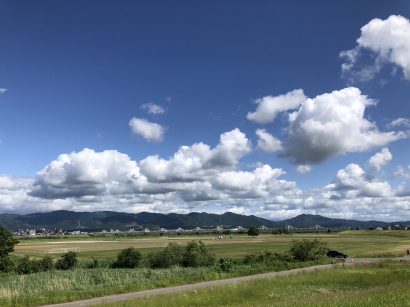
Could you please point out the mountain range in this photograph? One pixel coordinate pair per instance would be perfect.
(94, 221)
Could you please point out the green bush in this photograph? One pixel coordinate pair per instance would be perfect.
(197, 254)
(45, 264)
(253, 231)
(7, 243)
(67, 261)
(127, 258)
(308, 250)
(25, 265)
(171, 255)
(226, 264)
(6, 264)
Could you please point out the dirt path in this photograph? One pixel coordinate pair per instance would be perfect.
(190, 287)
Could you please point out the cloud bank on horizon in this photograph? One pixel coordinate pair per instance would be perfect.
(201, 177)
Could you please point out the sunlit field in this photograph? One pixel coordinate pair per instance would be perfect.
(353, 243)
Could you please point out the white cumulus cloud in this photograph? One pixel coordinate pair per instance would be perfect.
(146, 129)
(333, 124)
(192, 162)
(380, 159)
(388, 40)
(303, 169)
(270, 106)
(352, 182)
(399, 122)
(89, 173)
(267, 142)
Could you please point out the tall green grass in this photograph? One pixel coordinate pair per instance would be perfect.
(62, 286)
(371, 285)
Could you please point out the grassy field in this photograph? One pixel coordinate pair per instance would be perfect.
(62, 286)
(384, 284)
(353, 243)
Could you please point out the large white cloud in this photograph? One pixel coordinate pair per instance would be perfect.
(192, 162)
(262, 182)
(110, 180)
(148, 130)
(333, 124)
(88, 173)
(352, 182)
(388, 40)
(270, 106)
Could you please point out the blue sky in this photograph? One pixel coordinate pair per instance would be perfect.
(75, 73)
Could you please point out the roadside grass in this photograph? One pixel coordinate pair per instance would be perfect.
(385, 284)
(63, 286)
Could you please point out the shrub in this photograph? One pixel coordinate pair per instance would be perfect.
(308, 250)
(226, 264)
(25, 265)
(67, 261)
(253, 231)
(127, 258)
(7, 243)
(6, 264)
(171, 255)
(197, 254)
(95, 263)
(45, 264)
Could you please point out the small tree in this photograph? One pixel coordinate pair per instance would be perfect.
(127, 258)
(7, 243)
(67, 261)
(308, 250)
(171, 255)
(197, 254)
(45, 264)
(253, 231)
(24, 265)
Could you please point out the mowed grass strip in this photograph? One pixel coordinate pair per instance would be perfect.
(386, 284)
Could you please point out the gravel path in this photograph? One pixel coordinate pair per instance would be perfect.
(207, 284)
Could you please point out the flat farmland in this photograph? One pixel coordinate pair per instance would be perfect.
(355, 244)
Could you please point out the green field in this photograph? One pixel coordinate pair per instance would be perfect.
(384, 284)
(353, 243)
(62, 286)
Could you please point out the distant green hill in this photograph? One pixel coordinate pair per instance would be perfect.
(70, 220)
(308, 220)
